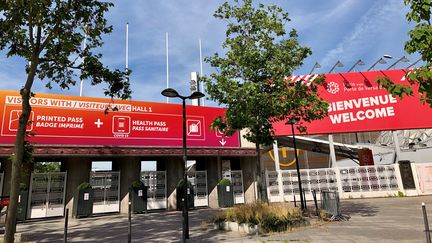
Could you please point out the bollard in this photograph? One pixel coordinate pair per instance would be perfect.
(304, 199)
(130, 223)
(295, 202)
(66, 224)
(426, 223)
(315, 201)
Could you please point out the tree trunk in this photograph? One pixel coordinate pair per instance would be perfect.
(17, 160)
(258, 172)
(260, 179)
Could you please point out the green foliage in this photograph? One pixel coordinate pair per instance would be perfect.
(49, 34)
(181, 183)
(45, 167)
(84, 185)
(400, 194)
(23, 187)
(224, 182)
(420, 42)
(251, 76)
(137, 184)
(275, 217)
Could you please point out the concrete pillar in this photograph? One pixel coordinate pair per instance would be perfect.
(248, 167)
(6, 168)
(174, 173)
(130, 168)
(25, 173)
(78, 171)
(214, 175)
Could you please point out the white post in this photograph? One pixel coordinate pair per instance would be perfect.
(201, 70)
(399, 178)
(278, 171)
(84, 47)
(332, 152)
(397, 146)
(339, 182)
(167, 65)
(127, 47)
(127, 51)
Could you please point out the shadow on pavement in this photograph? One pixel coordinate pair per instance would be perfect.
(364, 209)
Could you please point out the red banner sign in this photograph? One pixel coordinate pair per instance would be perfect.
(357, 104)
(58, 119)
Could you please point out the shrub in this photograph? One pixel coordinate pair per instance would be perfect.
(274, 217)
(84, 185)
(181, 183)
(224, 182)
(137, 185)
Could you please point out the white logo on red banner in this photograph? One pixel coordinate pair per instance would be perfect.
(333, 87)
(14, 120)
(193, 127)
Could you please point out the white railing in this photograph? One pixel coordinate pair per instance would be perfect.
(361, 181)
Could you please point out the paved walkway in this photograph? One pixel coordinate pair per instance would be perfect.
(372, 220)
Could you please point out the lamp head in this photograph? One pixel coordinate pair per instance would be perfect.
(196, 95)
(404, 59)
(292, 121)
(169, 92)
(382, 61)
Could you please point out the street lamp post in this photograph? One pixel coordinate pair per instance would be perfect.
(359, 62)
(402, 59)
(302, 199)
(172, 93)
(337, 64)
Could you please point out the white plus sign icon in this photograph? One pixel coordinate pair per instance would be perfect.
(98, 123)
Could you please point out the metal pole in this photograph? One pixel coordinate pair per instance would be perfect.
(130, 223)
(298, 168)
(426, 223)
(185, 204)
(315, 201)
(66, 225)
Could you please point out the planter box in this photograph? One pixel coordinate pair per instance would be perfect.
(225, 196)
(22, 205)
(179, 192)
(138, 199)
(234, 226)
(83, 203)
(254, 229)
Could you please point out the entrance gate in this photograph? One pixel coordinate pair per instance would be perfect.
(236, 178)
(199, 183)
(106, 187)
(47, 195)
(156, 192)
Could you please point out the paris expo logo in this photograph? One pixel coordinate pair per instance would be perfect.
(332, 87)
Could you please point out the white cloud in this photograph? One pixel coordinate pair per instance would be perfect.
(375, 26)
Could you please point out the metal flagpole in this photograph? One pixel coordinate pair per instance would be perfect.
(201, 70)
(84, 47)
(127, 49)
(167, 66)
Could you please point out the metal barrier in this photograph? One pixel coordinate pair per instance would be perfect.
(331, 204)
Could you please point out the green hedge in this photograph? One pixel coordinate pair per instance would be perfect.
(271, 218)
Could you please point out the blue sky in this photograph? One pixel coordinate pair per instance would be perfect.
(335, 30)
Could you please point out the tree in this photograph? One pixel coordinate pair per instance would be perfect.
(48, 35)
(251, 78)
(420, 41)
